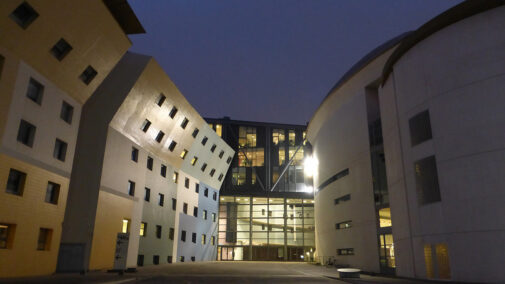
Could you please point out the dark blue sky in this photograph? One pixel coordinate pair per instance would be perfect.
(268, 60)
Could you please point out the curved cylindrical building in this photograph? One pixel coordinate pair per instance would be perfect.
(411, 150)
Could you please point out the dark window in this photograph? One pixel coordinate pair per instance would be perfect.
(24, 15)
(204, 212)
(213, 148)
(195, 132)
(16, 182)
(221, 154)
(197, 187)
(61, 49)
(150, 162)
(344, 198)
(345, 251)
(193, 238)
(161, 100)
(135, 154)
(156, 259)
(145, 125)
(206, 192)
(214, 195)
(186, 182)
(183, 236)
(35, 91)
(427, 187)
(204, 140)
(335, 177)
(204, 166)
(171, 232)
(2, 60)
(173, 112)
(88, 75)
(158, 231)
(193, 258)
(213, 217)
(195, 211)
(212, 172)
(163, 171)
(220, 177)
(185, 208)
(169, 259)
(131, 188)
(6, 235)
(52, 192)
(182, 258)
(228, 160)
(184, 123)
(26, 133)
(140, 260)
(420, 128)
(67, 112)
(174, 203)
(172, 145)
(44, 240)
(343, 225)
(161, 199)
(60, 150)
(147, 195)
(213, 240)
(159, 137)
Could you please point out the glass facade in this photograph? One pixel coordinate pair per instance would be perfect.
(266, 228)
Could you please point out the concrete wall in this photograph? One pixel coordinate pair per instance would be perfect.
(458, 74)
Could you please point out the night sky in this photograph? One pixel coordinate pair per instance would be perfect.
(268, 60)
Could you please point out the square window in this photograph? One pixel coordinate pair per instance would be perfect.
(195, 132)
(221, 154)
(183, 153)
(143, 229)
(427, 186)
(176, 177)
(16, 182)
(420, 128)
(213, 148)
(195, 211)
(44, 241)
(135, 154)
(204, 166)
(147, 195)
(174, 203)
(172, 145)
(61, 49)
(24, 15)
(197, 187)
(173, 112)
(161, 199)
(185, 208)
(67, 112)
(156, 259)
(131, 188)
(184, 123)
(183, 238)
(60, 150)
(193, 161)
(52, 192)
(212, 172)
(158, 231)
(193, 237)
(35, 91)
(145, 125)
(163, 171)
(6, 235)
(159, 137)
(171, 233)
(204, 140)
(88, 75)
(186, 182)
(150, 163)
(161, 99)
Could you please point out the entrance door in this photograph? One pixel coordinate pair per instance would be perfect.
(231, 253)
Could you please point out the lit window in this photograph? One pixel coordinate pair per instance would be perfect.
(35, 91)
(278, 136)
(145, 125)
(238, 176)
(44, 241)
(247, 137)
(67, 112)
(60, 150)
(213, 240)
(183, 153)
(193, 161)
(52, 193)
(291, 137)
(61, 49)
(251, 157)
(204, 214)
(175, 177)
(126, 226)
(88, 75)
(345, 251)
(16, 182)
(6, 235)
(24, 15)
(385, 217)
(143, 229)
(204, 239)
(161, 100)
(343, 225)
(219, 130)
(213, 217)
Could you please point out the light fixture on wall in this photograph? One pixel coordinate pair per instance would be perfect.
(310, 165)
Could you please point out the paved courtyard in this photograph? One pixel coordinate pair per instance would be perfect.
(216, 272)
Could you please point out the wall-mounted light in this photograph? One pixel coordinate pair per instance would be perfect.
(310, 166)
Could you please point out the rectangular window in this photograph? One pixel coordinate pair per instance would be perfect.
(214, 196)
(193, 237)
(247, 137)
(150, 163)
(184, 123)
(175, 177)
(156, 259)
(24, 15)
(291, 137)
(26, 133)
(204, 166)
(174, 203)
(221, 154)
(2, 61)
(16, 182)
(219, 130)
(52, 193)
(344, 198)
(193, 161)
(193, 259)
(161, 100)
(220, 177)
(163, 171)
(184, 153)
(171, 233)
(140, 260)
(427, 186)
(385, 217)
(213, 217)
(206, 192)
(160, 136)
(228, 160)
(145, 125)
(147, 195)
(343, 225)
(420, 128)
(61, 49)
(345, 251)
(161, 199)
(204, 140)
(131, 188)
(185, 208)
(213, 148)
(44, 241)
(126, 226)
(60, 150)
(195, 132)
(212, 172)
(158, 231)
(143, 229)
(88, 75)
(173, 112)
(135, 154)
(183, 236)
(278, 136)
(67, 112)
(169, 259)
(172, 145)
(6, 235)
(213, 240)
(195, 211)
(197, 187)
(186, 182)
(204, 239)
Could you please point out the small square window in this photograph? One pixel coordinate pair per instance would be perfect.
(145, 125)
(156, 259)
(158, 231)
(6, 235)
(185, 208)
(420, 128)
(44, 241)
(135, 154)
(228, 160)
(52, 193)
(161, 99)
(159, 137)
(184, 123)
(193, 238)
(213, 148)
(131, 188)
(88, 75)
(174, 203)
(143, 229)
(60, 150)
(195, 132)
(193, 161)
(195, 211)
(183, 238)
(204, 140)
(221, 154)
(183, 154)
(175, 177)
(163, 171)
(61, 49)
(197, 187)
(171, 233)
(172, 145)
(161, 199)
(150, 163)
(24, 15)
(26, 133)
(212, 172)
(147, 195)
(16, 182)
(67, 112)
(35, 91)
(173, 112)
(186, 182)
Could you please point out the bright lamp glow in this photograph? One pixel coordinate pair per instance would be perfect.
(310, 166)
